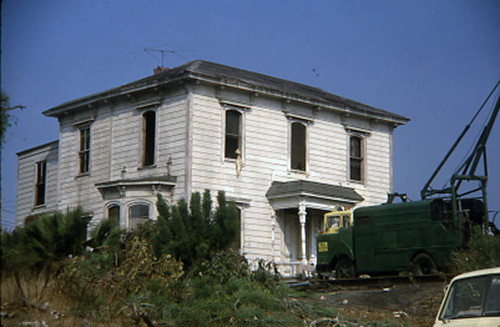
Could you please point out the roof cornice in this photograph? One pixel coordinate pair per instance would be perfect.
(296, 98)
(221, 75)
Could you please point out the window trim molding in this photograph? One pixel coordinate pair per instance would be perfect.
(143, 111)
(308, 120)
(134, 202)
(35, 202)
(306, 124)
(363, 173)
(149, 105)
(83, 123)
(111, 204)
(81, 127)
(364, 132)
(242, 109)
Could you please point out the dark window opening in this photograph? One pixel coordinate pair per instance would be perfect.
(41, 179)
(149, 135)
(114, 213)
(139, 214)
(84, 152)
(236, 245)
(298, 153)
(233, 133)
(356, 158)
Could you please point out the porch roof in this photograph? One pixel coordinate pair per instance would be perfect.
(312, 190)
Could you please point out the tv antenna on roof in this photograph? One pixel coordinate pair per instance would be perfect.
(151, 51)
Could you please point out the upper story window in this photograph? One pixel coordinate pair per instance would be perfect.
(84, 153)
(41, 180)
(138, 214)
(233, 134)
(149, 138)
(298, 146)
(356, 158)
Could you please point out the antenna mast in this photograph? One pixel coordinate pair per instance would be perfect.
(163, 52)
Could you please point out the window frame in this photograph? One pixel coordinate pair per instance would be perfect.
(145, 137)
(129, 212)
(361, 159)
(40, 182)
(111, 205)
(232, 136)
(84, 149)
(242, 110)
(305, 124)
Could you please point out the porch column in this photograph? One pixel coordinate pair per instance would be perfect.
(302, 220)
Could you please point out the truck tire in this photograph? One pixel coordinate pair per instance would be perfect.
(422, 265)
(345, 269)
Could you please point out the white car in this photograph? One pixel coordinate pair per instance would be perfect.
(472, 299)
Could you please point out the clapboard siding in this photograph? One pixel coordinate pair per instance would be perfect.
(265, 157)
(116, 136)
(26, 179)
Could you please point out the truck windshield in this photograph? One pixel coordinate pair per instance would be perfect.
(336, 220)
(473, 297)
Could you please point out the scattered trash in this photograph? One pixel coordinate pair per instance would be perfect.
(387, 289)
(399, 314)
(34, 323)
(345, 302)
(56, 314)
(322, 298)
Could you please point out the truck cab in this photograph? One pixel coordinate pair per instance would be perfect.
(335, 241)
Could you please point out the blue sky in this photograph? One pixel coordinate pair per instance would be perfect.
(432, 61)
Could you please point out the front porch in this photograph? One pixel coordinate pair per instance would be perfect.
(298, 208)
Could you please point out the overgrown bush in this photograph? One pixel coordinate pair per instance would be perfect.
(97, 276)
(483, 251)
(36, 252)
(44, 241)
(179, 271)
(193, 234)
(105, 237)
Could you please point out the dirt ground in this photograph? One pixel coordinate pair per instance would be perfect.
(407, 305)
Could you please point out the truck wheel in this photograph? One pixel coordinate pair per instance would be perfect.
(345, 269)
(423, 265)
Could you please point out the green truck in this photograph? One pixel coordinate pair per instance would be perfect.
(412, 236)
(396, 237)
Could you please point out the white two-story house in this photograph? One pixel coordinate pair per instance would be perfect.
(284, 152)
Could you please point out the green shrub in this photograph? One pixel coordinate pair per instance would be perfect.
(44, 241)
(95, 278)
(193, 233)
(483, 251)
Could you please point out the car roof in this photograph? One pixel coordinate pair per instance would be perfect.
(476, 273)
